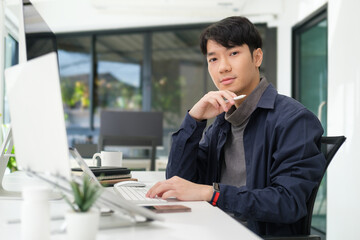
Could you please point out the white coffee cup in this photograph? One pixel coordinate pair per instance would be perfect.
(113, 159)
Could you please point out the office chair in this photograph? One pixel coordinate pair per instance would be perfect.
(120, 128)
(86, 150)
(329, 147)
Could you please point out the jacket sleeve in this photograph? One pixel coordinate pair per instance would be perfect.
(187, 158)
(295, 168)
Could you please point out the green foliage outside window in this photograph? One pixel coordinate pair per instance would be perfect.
(117, 94)
(166, 97)
(75, 94)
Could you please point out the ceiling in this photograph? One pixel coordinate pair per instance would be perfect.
(88, 15)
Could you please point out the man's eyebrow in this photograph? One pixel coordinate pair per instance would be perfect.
(210, 54)
(232, 47)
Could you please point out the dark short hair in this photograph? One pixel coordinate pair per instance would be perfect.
(231, 32)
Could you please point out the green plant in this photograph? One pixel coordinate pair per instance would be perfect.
(75, 93)
(84, 194)
(12, 162)
(167, 95)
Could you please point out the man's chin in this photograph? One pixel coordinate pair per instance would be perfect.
(233, 89)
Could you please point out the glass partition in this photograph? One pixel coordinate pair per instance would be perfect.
(75, 66)
(177, 73)
(313, 94)
(178, 76)
(118, 85)
(152, 69)
(310, 87)
(11, 59)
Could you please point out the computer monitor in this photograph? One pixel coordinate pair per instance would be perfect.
(37, 116)
(39, 38)
(39, 132)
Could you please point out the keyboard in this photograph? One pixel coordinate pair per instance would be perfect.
(136, 195)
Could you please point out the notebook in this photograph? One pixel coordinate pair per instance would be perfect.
(105, 172)
(38, 125)
(98, 171)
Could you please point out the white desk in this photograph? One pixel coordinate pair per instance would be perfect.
(204, 222)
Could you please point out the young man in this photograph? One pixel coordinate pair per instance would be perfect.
(260, 159)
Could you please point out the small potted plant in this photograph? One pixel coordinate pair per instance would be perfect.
(82, 220)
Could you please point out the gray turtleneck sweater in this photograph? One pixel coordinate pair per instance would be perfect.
(233, 169)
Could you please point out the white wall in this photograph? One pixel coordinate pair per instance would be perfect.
(343, 119)
(286, 21)
(293, 12)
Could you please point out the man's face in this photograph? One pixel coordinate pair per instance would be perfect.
(234, 69)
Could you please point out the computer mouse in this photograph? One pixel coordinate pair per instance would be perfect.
(129, 184)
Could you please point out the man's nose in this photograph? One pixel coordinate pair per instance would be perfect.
(224, 66)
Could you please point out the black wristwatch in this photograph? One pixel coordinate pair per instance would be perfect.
(216, 194)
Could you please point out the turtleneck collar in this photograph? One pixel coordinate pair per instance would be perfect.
(237, 116)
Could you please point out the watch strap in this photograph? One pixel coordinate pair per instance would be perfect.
(216, 194)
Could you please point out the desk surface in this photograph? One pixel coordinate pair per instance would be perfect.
(204, 222)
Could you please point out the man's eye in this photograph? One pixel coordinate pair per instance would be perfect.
(234, 53)
(212, 59)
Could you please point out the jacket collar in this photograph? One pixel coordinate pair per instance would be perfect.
(267, 100)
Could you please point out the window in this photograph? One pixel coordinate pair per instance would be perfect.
(118, 83)
(177, 76)
(75, 66)
(11, 59)
(159, 69)
(310, 86)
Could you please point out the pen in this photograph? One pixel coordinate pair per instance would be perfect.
(237, 98)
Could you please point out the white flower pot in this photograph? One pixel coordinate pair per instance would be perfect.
(82, 225)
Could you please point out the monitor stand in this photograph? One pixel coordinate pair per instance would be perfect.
(5, 154)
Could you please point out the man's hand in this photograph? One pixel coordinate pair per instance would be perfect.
(212, 104)
(181, 189)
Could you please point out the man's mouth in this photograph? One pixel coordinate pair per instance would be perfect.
(227, 80)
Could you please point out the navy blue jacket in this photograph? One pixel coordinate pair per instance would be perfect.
(283, 162)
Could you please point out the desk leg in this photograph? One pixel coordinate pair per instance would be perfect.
(153, 156)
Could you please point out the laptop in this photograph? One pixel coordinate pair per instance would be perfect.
(39, 132)
(135, 195)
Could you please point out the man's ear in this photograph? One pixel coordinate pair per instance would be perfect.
(258, 57)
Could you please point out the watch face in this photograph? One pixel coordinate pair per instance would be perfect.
(216, 187)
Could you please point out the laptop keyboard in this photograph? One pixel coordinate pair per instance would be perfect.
(136, 194)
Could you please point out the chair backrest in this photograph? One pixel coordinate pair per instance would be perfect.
(120, 128)
(124, 128)
(86, 150)
(329, 147)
